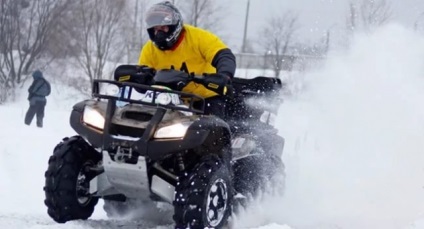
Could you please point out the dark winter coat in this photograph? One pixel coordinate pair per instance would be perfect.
(39, 89)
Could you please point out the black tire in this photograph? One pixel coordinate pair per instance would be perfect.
(257, 174)
(67, 180)
(194, 206)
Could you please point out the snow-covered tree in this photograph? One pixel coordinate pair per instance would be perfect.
(96, 35)
(368, 15)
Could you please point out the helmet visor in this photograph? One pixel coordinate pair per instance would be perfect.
(160, 15)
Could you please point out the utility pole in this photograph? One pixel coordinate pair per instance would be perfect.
(243, 47)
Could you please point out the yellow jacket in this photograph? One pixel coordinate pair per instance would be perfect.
(196, 50)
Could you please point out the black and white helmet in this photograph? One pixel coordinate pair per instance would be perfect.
(164, 14)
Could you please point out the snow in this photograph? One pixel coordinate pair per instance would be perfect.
(354, 147)
(355, 137)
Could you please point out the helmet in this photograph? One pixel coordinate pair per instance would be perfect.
(164, 14)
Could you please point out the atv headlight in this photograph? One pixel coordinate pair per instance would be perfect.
(173, 131)
(93, 118)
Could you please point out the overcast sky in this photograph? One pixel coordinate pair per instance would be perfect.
(315, 16)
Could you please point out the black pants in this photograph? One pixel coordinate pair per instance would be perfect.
(37, 108)
(213, 105)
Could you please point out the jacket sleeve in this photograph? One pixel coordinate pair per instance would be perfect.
(217, 53)
(225, 62)
(34, 86)
(31, 88)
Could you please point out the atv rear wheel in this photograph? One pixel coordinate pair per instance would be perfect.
(276, 175)
(261, 173)
(68, 180)
(203, 198)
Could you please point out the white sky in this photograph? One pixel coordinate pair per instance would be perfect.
(315, 16)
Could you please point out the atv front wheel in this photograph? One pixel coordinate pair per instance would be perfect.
(203, 198)
(68, 178)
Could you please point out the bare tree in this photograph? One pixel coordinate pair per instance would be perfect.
(25, 30)
(278, 37)
(368, 15)
(206, 14)
(134, 29)
(96, 35)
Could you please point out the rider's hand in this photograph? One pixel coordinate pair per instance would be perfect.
(135, 73)
(229, 79)
(219, 83)
(145, 70)
(229, 90)
(221, 78)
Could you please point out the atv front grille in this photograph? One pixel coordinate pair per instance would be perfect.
(139, 116)
(126, 131)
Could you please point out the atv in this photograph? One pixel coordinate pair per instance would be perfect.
(148, 141)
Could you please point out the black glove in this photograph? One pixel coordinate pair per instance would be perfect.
(134, 73)
(219, 83)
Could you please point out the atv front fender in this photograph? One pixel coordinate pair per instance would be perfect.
(159, 148)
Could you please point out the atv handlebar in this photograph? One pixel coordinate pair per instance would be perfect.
(177, 80)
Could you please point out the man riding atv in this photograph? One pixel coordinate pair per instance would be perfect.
(160, 147)
(174, 45)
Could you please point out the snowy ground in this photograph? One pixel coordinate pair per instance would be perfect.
(354, 147)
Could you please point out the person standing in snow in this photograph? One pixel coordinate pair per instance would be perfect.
(174, 44)
(38, 91)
